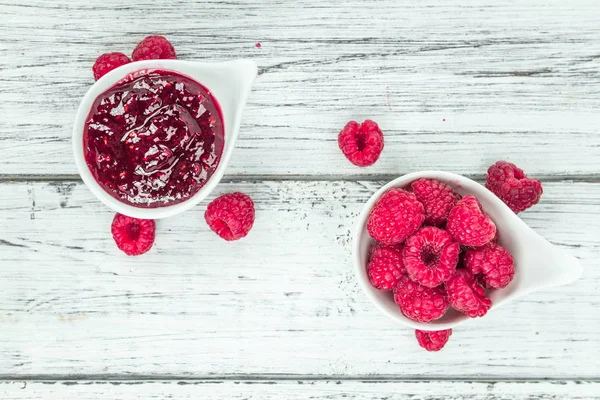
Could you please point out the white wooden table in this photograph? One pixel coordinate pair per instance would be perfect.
(455, 85)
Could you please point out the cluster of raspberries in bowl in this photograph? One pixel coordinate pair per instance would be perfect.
(438, 254)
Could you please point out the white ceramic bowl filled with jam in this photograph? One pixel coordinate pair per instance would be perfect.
(153, 138)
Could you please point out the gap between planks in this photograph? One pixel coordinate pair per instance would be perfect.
(274, 378)
(595, 178)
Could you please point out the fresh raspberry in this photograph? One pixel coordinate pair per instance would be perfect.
(437, 198)
(469, 225)
(466, 295)
(362, 144)
(132, 235)
(494, 261)
(230, 216)
(396, 215)
(433, 340)
(430, 256)
(385, 266)
(154, 48)
(418, 302)
(107, 62)
(512, 186)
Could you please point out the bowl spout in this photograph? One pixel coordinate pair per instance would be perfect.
(230, 83)
(547, 265)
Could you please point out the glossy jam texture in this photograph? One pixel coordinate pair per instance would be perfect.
(154, 139)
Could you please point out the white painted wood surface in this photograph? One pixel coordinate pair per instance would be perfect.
(299, 390)
(512, 79)
(454, 85)
(282, 301)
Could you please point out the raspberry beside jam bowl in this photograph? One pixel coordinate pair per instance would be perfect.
(154, 138)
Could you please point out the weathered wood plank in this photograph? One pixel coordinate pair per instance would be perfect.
(282, 301)
(454, 87)
(302, 389)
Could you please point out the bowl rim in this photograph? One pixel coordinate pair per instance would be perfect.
(181, 67)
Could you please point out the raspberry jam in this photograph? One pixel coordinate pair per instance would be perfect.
(154, 138)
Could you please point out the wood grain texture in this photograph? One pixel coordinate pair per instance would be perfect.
(296, 390)
(282, 301)
(454, 86)
(279, 315)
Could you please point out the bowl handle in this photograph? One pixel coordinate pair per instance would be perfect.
(549, 266)
(569, 268)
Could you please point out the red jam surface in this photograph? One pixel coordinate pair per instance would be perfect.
(154, 138)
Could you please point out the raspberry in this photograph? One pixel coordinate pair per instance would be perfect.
(466, 295)
(512, 186)
(107, 62)
(469, 225)
(362, 144)
(494, 261)
(437, 198)
(433, 340)
(385, 266)
(230, 216)
(396, 215)
(154, 48)
(418, 302)
(430, 256)
(133, 236)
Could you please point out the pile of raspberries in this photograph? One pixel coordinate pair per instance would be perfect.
(436, 249)
(230, 216)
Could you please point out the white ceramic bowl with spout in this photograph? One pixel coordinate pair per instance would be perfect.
(228, 82)
(538, 263)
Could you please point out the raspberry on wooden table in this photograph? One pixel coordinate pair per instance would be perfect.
(419, 302)
(430, 256)
(132, 235)
(362, 144)
(512, 186)
(466, 295)
(154, 48)
(493, 261)
(469, 225)
(437, 198)
(230, 216)
(385, 266)
(433, 340)
(395, 215)
(107, 62)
